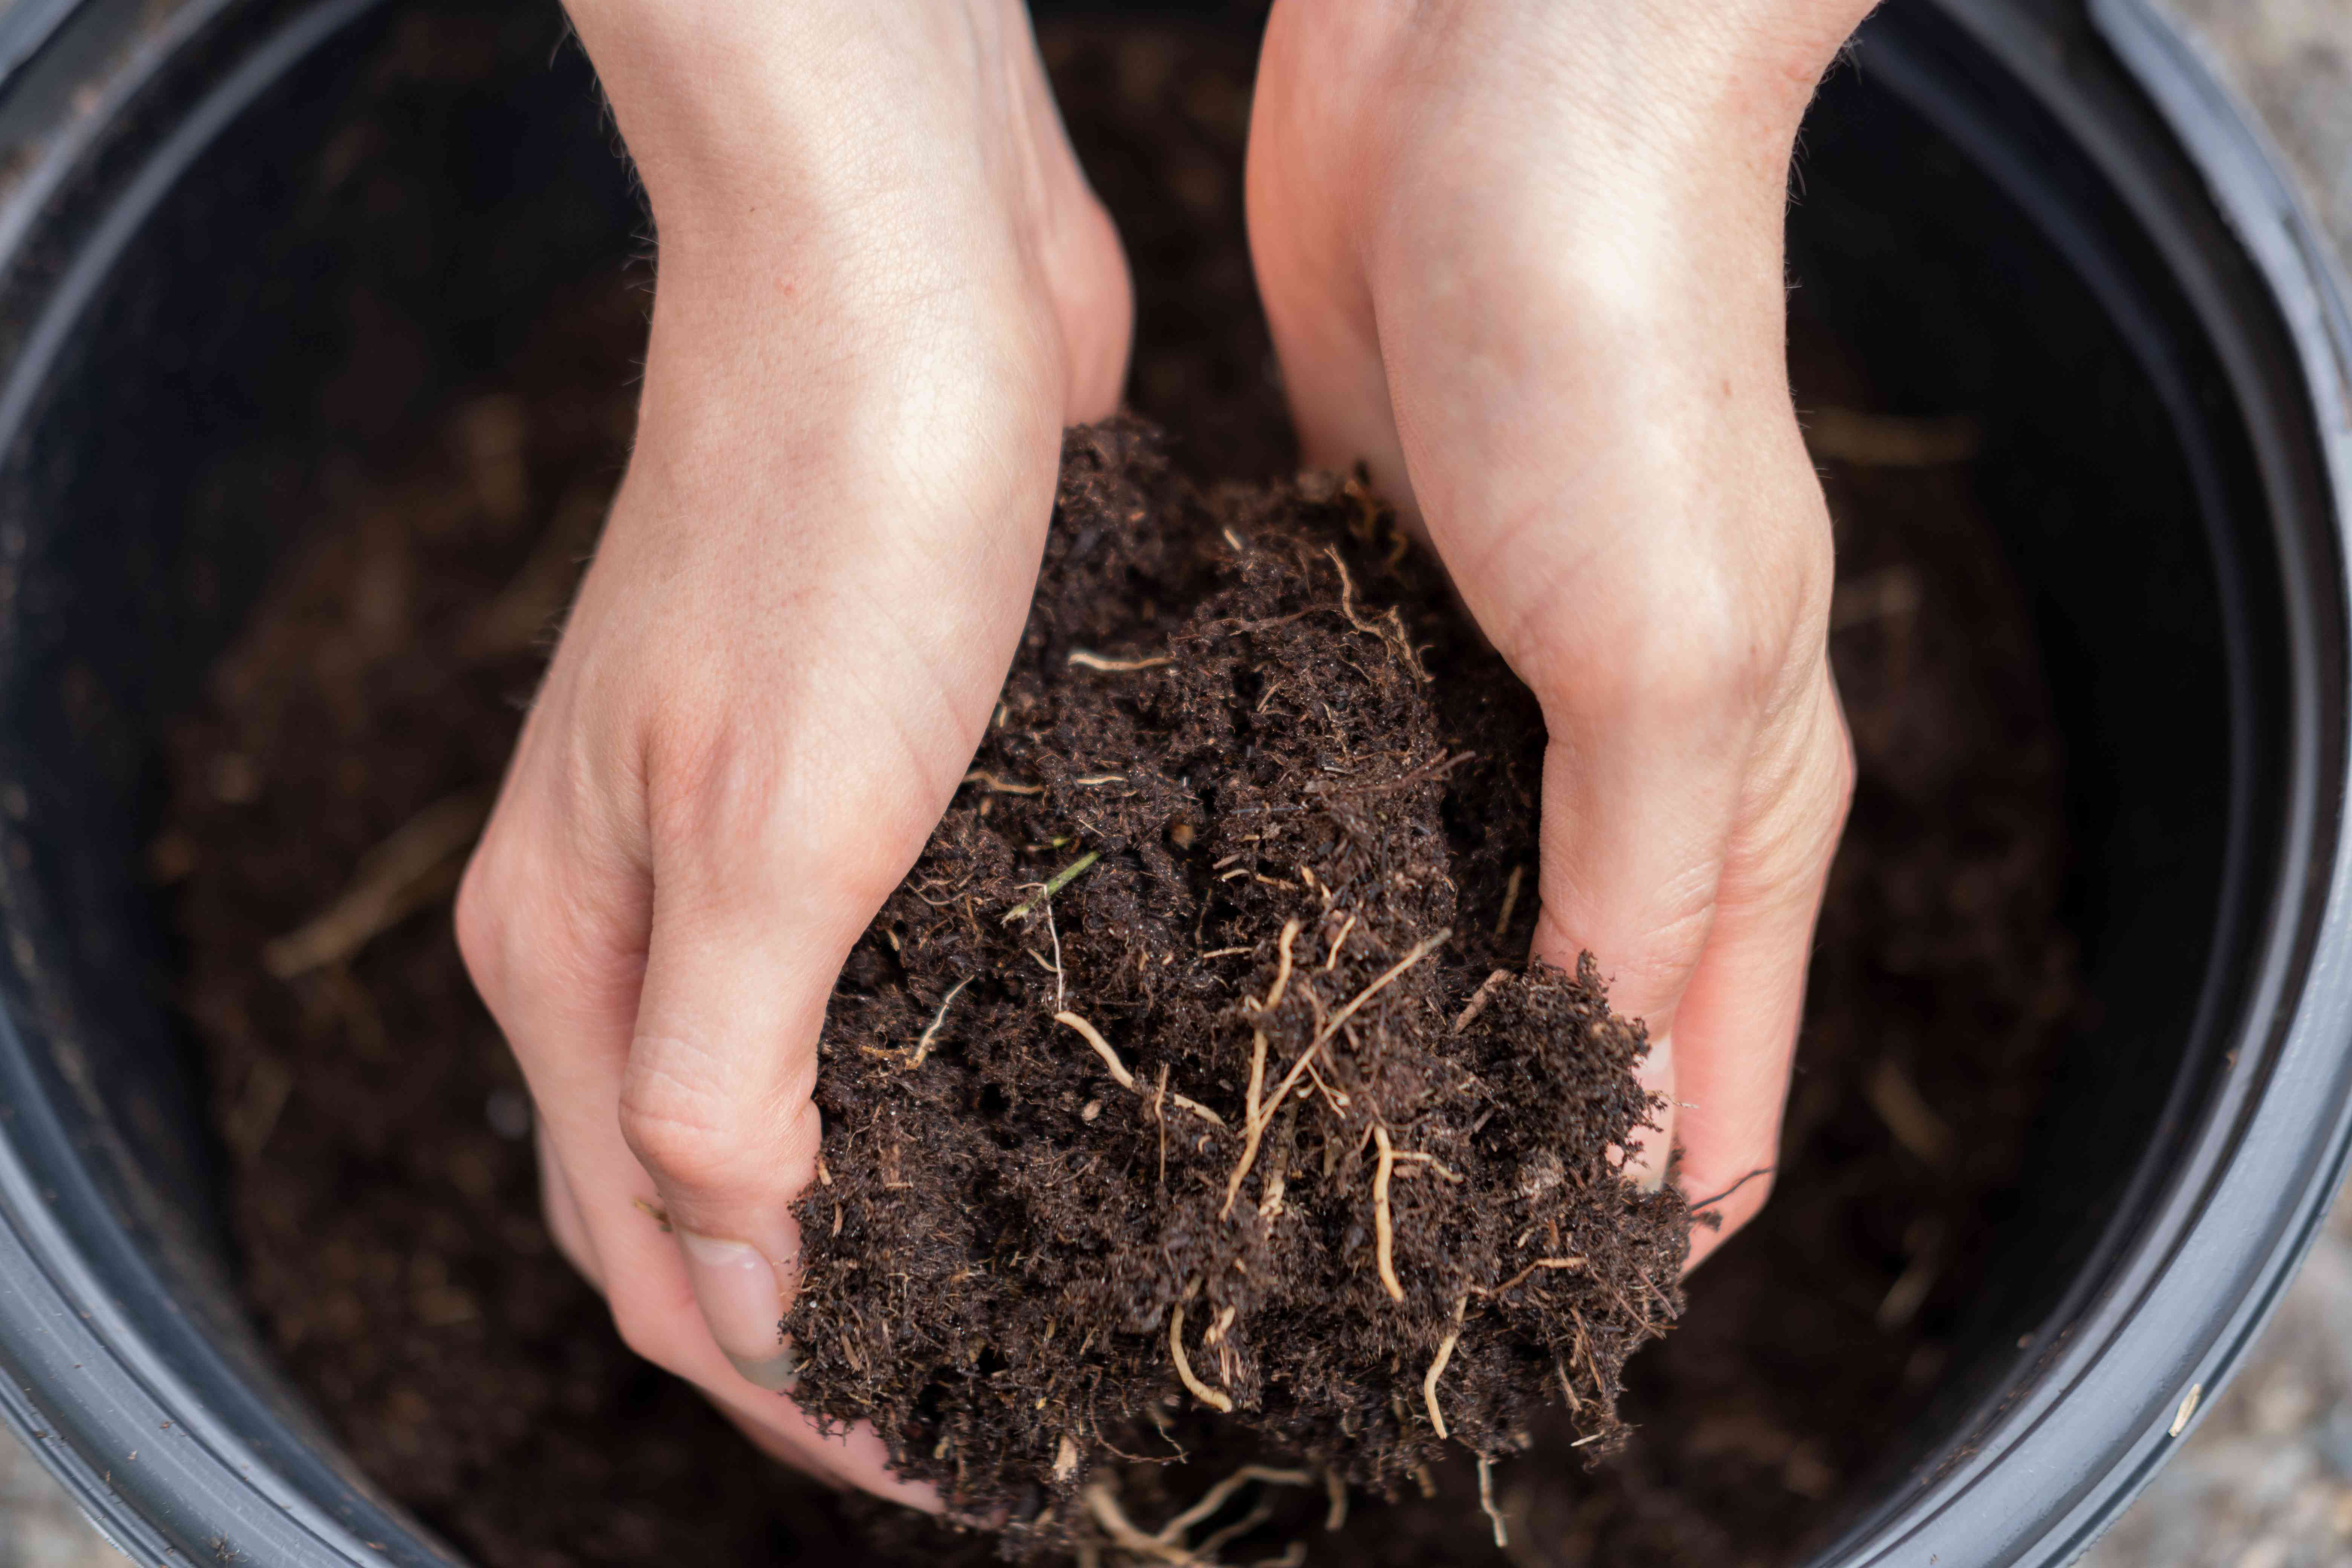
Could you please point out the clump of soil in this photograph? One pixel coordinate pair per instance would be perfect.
(380, 1186)
(1194, 1067)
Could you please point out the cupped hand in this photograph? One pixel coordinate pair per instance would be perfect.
(1524, 257)
(884, 289)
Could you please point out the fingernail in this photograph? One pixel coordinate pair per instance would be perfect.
(736, 1288)
(1654, 1152)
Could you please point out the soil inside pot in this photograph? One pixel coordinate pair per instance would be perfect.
(382, 1192)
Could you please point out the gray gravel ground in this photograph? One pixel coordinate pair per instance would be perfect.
(2265, 1481)
(38, 1527)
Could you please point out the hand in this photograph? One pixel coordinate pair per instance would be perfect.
(884, 290)
(1524, 256)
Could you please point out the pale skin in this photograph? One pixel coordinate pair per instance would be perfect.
(1523, 256)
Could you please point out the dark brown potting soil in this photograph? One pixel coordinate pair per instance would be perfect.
(1193, 1066)
(382, 1186)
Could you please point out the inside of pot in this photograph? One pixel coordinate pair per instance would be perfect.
(405, 211)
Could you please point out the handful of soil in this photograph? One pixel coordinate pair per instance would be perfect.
(1193, 1088)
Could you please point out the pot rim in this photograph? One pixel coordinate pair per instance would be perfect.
(167, 1444)
(2046, 1462)
(2053, 1455)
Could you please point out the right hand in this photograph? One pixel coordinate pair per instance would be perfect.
(884, 290)
(1523, 258)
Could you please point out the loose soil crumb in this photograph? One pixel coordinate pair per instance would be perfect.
(1196, 1057)
(380, 1184)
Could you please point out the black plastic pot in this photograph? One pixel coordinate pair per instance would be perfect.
(2008, 204)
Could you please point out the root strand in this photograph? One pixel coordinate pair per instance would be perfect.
(1093, 1036)
(1510, 901)
(1584, 1343)
(923, 1046)
(1388, 628)
(1337, 943)
(1216, 1496)
(1487, 1500)
(1477, 1003)
(417, 864)
(1253, 1124)
(1517, 1278)
(1348, 1009)
(1437, 1369)
(1086, 660)
(1159, 1115)
(1215, 1398)
(1270, 1204)
(1206, 1553)
(1434, 1164)
(995, 785)
(1384, 1232)
(1257, 1086)
(1281, 975)
(1186, 1103)
(1123, 1530)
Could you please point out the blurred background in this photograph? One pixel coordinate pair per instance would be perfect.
(2266, 1479)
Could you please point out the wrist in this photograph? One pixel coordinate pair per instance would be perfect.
(869, 178)
(729, 108)
(1654, 77)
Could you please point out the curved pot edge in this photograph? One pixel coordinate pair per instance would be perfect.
(2165, 1365)
(2277, 233)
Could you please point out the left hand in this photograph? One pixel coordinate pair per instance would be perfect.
(884, 290)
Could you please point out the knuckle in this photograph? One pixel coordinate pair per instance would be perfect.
(645, 1330)
(1707, 644)
(711, 1140)
(1724, 656)
(689, 763)
(1845, 768)
(681, 1149)
(481, 918)
(531, 929)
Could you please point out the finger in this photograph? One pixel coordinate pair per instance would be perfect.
(656, 1310)
(1637, 813)
(765, 872)
(562, 1209)
(1310, 279)
(1666, 654)
(762, 884)
(856, 1457)
(1736, 1030)
(637, 1259)
(556, 943)
(1656, 580)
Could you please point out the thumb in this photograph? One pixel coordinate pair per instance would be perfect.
(749, 927)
